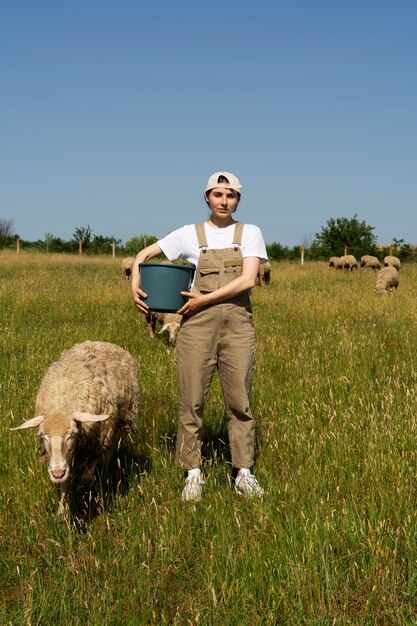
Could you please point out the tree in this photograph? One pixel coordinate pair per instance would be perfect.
(56, 244)
(7, 234)
(6, 228)
(136, 244)
(83, 234)
(276, 251)
(404, 251)
(103, 245)
(340, 233)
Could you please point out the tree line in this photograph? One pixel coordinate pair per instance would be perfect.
(91, 243)
(344, 234)
(337, 235)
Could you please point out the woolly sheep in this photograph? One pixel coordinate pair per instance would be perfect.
(370, 261)
(348, 262)
(87, 401)
(386, 280)
(333, 262)
(264, 274)
(170, 322)
(127, 265)
(392, 261)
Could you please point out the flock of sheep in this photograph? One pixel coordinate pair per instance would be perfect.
(88, 400)
(387, 276)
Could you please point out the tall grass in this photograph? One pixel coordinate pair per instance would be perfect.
(334, 539)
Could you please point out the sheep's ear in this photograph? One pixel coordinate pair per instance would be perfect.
(35, 421)
(88, 417)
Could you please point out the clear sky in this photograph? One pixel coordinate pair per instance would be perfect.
(114, 114)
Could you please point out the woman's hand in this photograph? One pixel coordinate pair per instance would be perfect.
(138, 295)
(196, 301)
(237, 286)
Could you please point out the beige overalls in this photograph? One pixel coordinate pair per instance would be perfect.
(219, 336)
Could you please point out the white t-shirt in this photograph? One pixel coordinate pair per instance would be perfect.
(184, 243)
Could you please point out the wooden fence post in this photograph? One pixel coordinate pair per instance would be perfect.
(18, 245)
(345, 250)
(113, 248)
(302, 255)
(80, 247)
(390, 249)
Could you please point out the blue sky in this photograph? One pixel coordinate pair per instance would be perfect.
(114, 114)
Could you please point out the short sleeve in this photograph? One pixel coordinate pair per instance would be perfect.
(253, 243)
(172, 244)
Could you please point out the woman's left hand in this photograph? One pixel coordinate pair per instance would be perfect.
(195, 302)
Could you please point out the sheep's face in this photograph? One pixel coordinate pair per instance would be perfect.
(172, 329)
(59, 439)
(173, 332)
(58, 434)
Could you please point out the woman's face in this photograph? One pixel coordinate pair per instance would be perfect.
(222, 202)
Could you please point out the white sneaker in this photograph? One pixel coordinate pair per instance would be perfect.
(193, 489)
(246, 485)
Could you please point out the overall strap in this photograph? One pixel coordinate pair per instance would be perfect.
(201, 235)
(202, 239)
(237, 237)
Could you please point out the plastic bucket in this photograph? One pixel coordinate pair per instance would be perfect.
(163, 283)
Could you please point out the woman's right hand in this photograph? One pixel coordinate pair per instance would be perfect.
(138, 300)
(137, 294)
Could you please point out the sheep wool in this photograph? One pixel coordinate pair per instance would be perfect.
(392, 261)
(264, 274)
(370, 261)
(127, 265)
(348, 262)
(386, 280)
(170, 322)
(86, 403)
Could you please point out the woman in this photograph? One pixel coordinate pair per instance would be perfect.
(216, 330)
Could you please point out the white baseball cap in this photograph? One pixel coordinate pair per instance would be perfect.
(233, 183)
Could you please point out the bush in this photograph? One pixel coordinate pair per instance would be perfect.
(136, 244)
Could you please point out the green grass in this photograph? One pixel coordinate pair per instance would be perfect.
(334, 540)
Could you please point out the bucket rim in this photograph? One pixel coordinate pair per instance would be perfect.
(169, 265)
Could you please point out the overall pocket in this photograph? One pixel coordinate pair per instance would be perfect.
(233, 266)
(209, 279)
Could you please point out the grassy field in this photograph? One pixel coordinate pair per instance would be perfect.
(333, 542)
